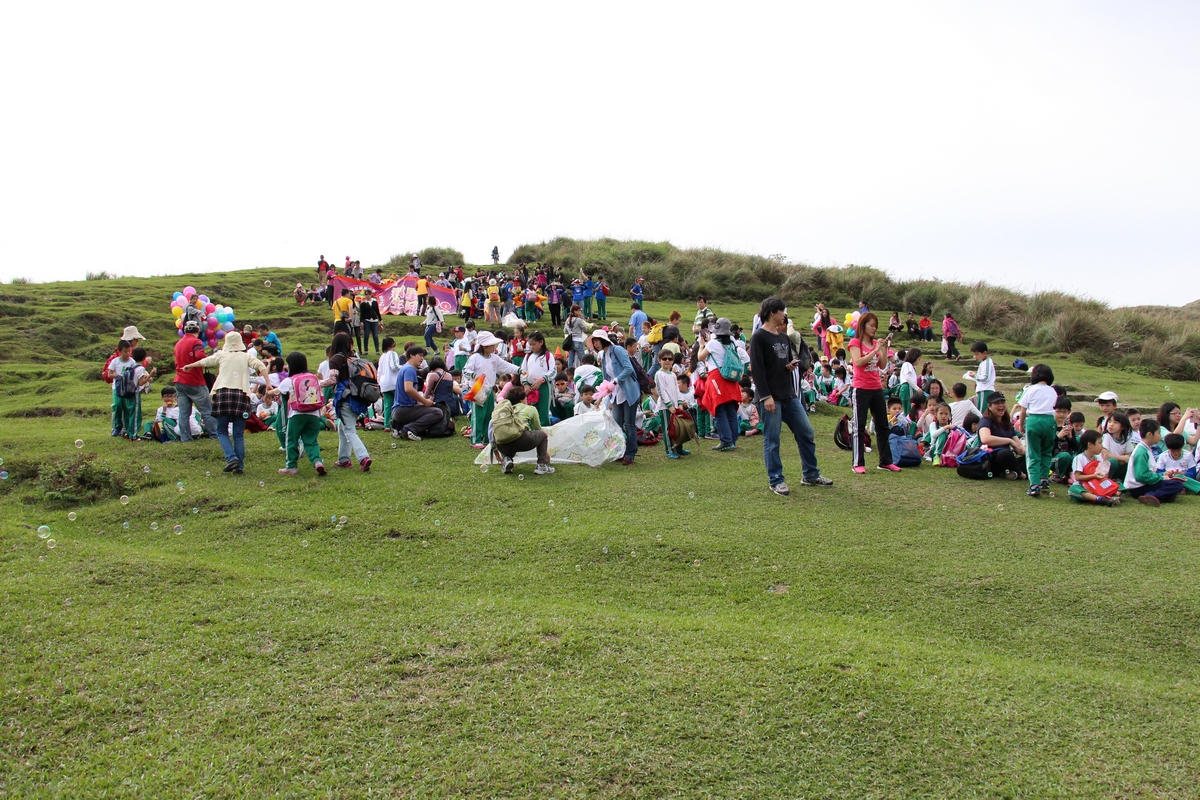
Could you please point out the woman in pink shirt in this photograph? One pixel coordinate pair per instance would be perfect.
(869, 357)
(951, 333)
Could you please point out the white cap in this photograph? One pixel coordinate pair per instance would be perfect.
(1107, 396)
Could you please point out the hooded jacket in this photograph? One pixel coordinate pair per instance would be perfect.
(234, 365)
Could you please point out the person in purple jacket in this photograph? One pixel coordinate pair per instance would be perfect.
(951, 333)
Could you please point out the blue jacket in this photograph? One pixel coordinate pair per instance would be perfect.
(576, 293)
(589, 288)
(636, 292)
(619, 369)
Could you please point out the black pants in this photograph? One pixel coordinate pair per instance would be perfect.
(418, 419)
(529, 440)
(329, 295)
(370, 331)
(1004, 460)
(951, 350)
(556, 314)
(872, 401)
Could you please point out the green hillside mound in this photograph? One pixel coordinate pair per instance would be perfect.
(670, 628)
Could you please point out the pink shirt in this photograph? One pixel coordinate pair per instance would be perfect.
(866, 377)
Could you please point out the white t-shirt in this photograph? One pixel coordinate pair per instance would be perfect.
(389, 368)
(1118, 448)
(1039, 399)
(1080, 462)
(959, 410)
(1185, 462)
(323, 370)
(588, 374)
(985, 377)
(716, 352)
(908, 374)
(668, 390)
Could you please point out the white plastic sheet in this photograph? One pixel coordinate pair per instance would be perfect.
(590, 439)
(511, 321)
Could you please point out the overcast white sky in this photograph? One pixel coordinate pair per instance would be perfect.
(1033, 144)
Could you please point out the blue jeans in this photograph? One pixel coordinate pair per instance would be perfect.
(237, 448)
(727, 423)
(430, 330)
(792, 412)
(197, 396)
(575, 356)
(625, 415)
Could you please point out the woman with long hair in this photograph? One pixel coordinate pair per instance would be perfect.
(996, 430)
(537, 375)
(869, 357)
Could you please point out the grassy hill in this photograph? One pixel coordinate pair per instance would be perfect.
(663, 629)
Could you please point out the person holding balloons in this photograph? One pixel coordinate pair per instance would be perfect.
(231, 396)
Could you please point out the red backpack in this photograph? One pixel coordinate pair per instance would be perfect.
(1103, 486)
(104, 373)
(306, 393)
(956, 445)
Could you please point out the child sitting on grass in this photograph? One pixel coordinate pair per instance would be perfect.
(898, 423)
(939, 432)
(165, 427)
(1066, 442)
(1178, 463)
(562, 402)
(1091, 452)
(748, 422)
(1118, 444)
(587, 402)
(1142, 479)
(1135, 425)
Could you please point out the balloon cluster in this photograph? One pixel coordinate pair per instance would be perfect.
(852, 323)
(215, 320)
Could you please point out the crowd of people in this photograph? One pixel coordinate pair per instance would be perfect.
(661, 382)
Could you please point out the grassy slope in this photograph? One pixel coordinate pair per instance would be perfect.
(460, 635)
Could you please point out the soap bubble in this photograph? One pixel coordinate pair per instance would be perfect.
(552, 504)
(565, 521)
(195, 510)
(578, 568)
(178, 529)
(1116, 344)
(696, 563)
(333, 518)
(1052, 494)
(521, 477)
(43, 531)
(179, 484)
(633, 553)
(604, 549)
(51, 544)
(267, 284)
(343, 519)
(1000, 507)
(1166, 388)
(3, 476)
(146, 469)
(153, 526)
(304, 542)
(262, 484)
(424, 544)
(124, 499)
(989, 474)
(691, 495)
(207, 474)
(182, 490)
(394, 445)
(125, 525)
(245, 415)
(437, 523)
(79, 443)
(658, 538)
(72, 516)
(483, 468)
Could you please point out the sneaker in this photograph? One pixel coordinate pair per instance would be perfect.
(395, 434)
(284, 449)
(683, 452)
(888, 468)
(230, 465)
(289, 472)
(820, 480)
(781, 488)
(365, 464)
(672, 455)
(319, 467)
(725, 448)
(1147, 500)
(1034, 491)
(506, 466)
(860, 470)
(1045, 485)
(543, 469)
(929, 459)
(344, 464)
(1104, 501)
(412, 436)
(237, 470)
(626, 461)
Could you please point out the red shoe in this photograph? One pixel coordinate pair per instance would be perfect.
(860, 470)
(365, 464)
(320, 467)
(889, 467)
(344, 464)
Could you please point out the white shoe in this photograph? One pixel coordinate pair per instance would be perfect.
(543, 469)
(506, 466)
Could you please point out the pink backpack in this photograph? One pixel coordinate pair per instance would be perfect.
(956, 445)
(306, 393)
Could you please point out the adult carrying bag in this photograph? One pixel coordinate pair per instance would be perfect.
(363, 380)
(732, 368)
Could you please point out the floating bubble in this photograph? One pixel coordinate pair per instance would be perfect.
(775, 567)
(72, 516)
(304, 542)
(125, 525)
(267, 284)
(1166, 388)
(483, 468)
(153, 526)
(1052, 494)
(658, 538)
(245, 415)
(51, 544)
(343, 519)
(207, 474)
(394, 445)
(565, 521)
(604, 550)
(989, 474)
(43, 531)
(182, 490)
(691, 495)
(333, 518)
(696, 563)
(552, 504)
(146, 469)
(124, 499)
(1000, 507)
(1, 460)
(633, 553)
(179, 484)
(178, 529)
(262, 484)
(578, 568)
(424, 544)
(521, 477)
(437, 523)
(79, 443)
(3, 476)
(195, 510)
(1116, 344)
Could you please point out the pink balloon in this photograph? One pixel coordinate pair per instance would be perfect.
(212, 322)
(188, 291)
(209, 308)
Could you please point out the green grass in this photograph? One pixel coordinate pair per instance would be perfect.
(905, 635)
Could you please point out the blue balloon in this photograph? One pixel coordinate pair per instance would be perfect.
(177, 296)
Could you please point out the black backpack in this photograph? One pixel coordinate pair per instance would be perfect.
(842, 436)
(643, 378)
(975, 464)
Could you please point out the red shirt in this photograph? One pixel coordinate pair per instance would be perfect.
(189, 350)
(866, 377)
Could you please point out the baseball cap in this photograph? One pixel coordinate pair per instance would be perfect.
(1107, 396)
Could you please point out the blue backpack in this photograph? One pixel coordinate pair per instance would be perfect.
(905, 451)
(732, 368)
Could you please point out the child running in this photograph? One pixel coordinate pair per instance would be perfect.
(301, 401)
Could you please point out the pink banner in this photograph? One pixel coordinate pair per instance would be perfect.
(399, 296)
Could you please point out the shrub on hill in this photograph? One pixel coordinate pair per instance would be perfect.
(430, 257)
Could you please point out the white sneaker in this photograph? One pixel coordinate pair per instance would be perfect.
(506, 466)
(543, 469)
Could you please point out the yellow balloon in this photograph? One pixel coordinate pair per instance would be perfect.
(199, 305)
(177, 311)
(178, 323)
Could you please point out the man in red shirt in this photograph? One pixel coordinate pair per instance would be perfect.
(189, 383)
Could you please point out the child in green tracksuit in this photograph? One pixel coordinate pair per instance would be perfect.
(128, 378)
(984, 375)
(1066, 441)
(1142, 479)
(1038, 401)
(302, 426)
(1091, 451)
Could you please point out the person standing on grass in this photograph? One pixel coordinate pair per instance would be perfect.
(773, 363)
(626, 393)
(231, 396)
(496, 254)
(704, 315)
(414, 413)
(554, 296)
(636, 292)
(434, 319)
(486, 364)
(951, 333)
(387, 372)
(537, 375)
(721, 395)
(368, 313)
(1037, 422)
(869, 357)
(346, 409)
(190, 386)
(301, 389)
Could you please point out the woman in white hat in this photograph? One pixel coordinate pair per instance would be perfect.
(231, 395)
(626, 392)
(484, 363)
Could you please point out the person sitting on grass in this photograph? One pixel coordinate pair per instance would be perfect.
(515, 429)
(1067, 443)
(747, 412)
(1142, 479)
(1091, 452)
(413, 413)
(1118, 444)
(165, 427)
(1178, 463)
(997, 432)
